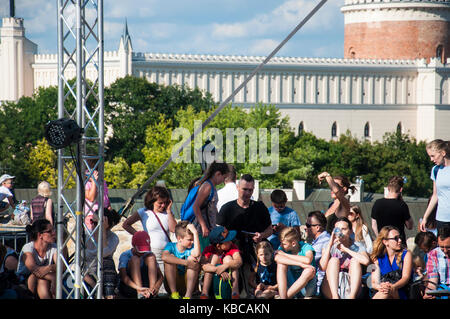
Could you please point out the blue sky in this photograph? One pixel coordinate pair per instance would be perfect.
(229, 27)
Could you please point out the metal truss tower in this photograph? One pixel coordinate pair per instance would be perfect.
(80, 47)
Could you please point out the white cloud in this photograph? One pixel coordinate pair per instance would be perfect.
(262, 47)
(123, 9)
(282, 19)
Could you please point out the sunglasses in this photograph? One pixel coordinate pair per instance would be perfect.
(48, 231)
(310, 225)
(396, 238)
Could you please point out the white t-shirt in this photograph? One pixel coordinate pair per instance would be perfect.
(226, 194)
(40, 261)
(443, 193)
(158, 239)
(4, 193)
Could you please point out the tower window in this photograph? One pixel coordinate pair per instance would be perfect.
(440, 52)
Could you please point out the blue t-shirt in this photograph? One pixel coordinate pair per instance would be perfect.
(443, 192)
(304, 248)
(267, 274)
(288, 217)
(172, 248)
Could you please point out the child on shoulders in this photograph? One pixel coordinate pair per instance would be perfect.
(223, 258)
(295, 266)
(181, 261)
(140, 277)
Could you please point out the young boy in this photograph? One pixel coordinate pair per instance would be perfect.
(6, 185)
(281, 216)
(139, 274)
(219, 258)
(295, 265)
(181, 261)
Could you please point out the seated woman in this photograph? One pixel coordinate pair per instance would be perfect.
(360, 228)
(394, 265)
(342, 259)
(37, 260)
(110, 243)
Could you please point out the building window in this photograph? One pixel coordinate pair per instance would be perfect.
(440, 52)
(334, 130)
(367, 130)
(352, 53)
(301, 128)
(399, 128)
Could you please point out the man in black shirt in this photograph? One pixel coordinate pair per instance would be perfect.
(392, 210)
(249, 218)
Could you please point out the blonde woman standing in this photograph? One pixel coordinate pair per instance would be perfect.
(394, 266)
(42, 205)
(439, 153)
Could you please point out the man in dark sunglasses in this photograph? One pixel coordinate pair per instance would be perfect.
(316, 225)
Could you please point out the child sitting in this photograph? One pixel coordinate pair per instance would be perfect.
(139, 274)
(264, 277)
(220, 256)
(181, 261)
(295, 266)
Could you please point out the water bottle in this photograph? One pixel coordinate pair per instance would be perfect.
(337, 231)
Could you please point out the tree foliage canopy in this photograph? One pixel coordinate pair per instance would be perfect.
(142, 119)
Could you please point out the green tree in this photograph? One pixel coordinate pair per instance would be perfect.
(132, 104)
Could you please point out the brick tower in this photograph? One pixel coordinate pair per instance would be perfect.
(401, 29)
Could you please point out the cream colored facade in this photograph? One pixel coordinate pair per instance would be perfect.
(324, 96)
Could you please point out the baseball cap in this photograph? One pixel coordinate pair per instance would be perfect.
(220, 234)
(4, 177)
(141, 241)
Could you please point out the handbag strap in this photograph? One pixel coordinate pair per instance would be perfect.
(162, 227)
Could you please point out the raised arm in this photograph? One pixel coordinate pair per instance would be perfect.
(336, 189)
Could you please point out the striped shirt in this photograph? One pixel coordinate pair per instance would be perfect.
(318, 244)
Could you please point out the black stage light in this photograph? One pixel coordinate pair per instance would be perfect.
(62, 132)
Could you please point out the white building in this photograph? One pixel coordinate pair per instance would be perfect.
(327, 97)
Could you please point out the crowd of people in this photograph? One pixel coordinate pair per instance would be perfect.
(234, 247)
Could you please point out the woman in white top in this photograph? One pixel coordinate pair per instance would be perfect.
(439, 153)
(157, 220)
(359, 227)
(37, 260)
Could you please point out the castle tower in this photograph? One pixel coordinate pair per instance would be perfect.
(125, 52)
(16, 58)
(400, 29)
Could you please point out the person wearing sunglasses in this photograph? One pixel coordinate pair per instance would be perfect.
(360, 228)
(37, 260)
(393, 265)
(316, 224)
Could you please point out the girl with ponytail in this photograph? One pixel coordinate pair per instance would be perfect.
(394, 266)
(206, 211)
